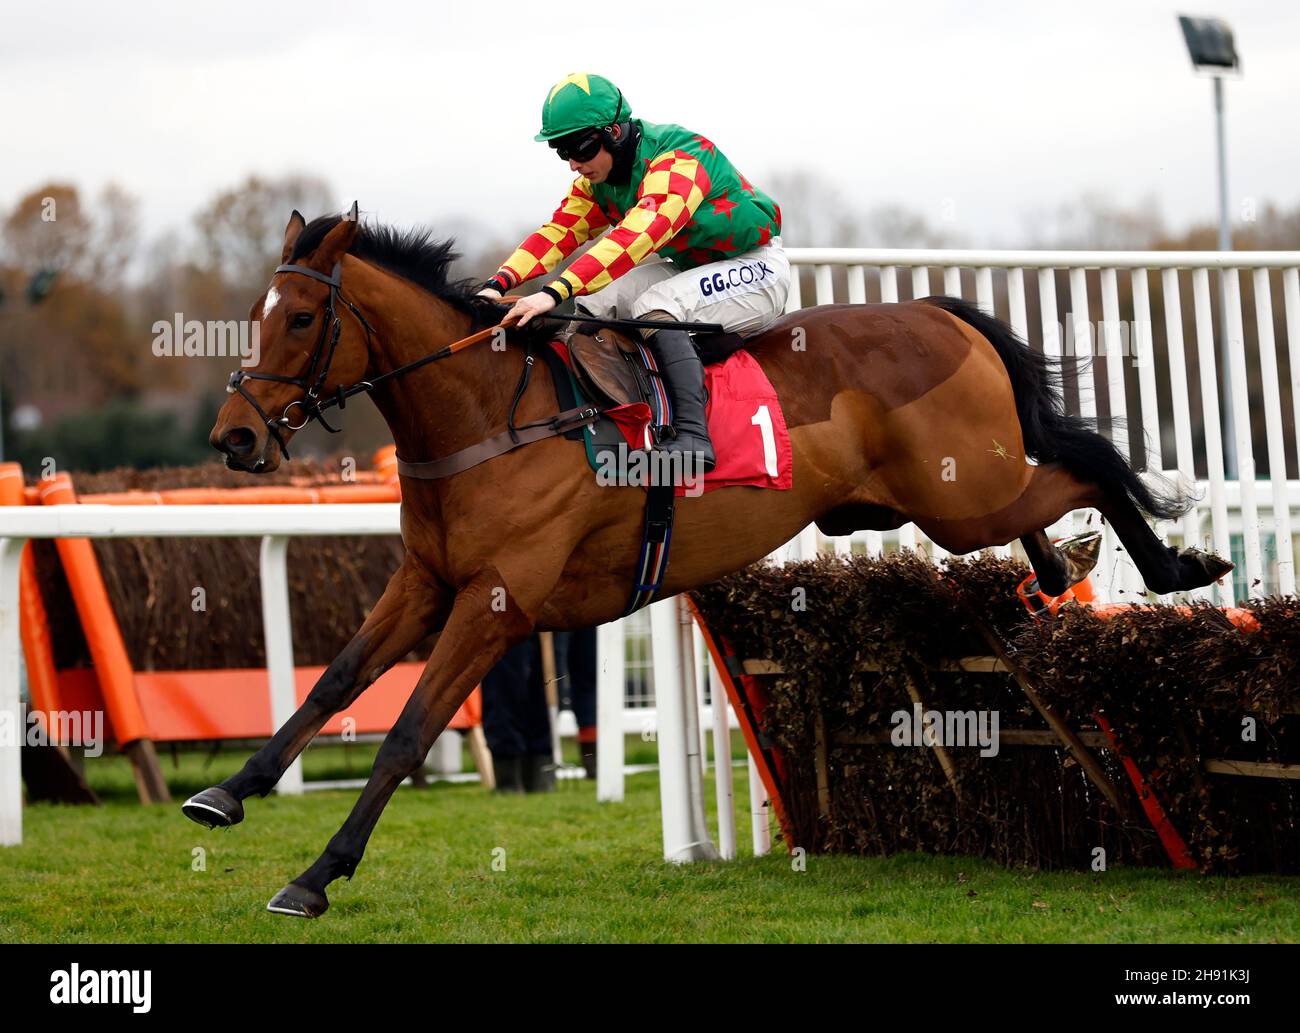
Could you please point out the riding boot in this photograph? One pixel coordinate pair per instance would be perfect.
(683, 373)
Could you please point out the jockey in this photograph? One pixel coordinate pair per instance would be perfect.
(690, 239)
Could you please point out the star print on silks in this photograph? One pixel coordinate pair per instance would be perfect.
(705, 145)
(578, 79)
(725, 245)
(721, 206)
(745, 184)
(764, 234)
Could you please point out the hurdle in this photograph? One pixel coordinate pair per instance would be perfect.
(273, 524)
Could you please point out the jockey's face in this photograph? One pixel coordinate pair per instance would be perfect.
(597, 168)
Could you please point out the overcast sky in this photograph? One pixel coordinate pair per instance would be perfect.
(974, 112)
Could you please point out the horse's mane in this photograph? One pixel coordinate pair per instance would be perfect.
(414, 255)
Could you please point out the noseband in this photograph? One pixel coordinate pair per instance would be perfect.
(313, 380)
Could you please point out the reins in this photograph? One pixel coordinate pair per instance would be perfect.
(313, 406)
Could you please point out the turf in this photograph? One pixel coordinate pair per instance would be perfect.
(574, 870)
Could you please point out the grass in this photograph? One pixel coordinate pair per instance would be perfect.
(575, 870)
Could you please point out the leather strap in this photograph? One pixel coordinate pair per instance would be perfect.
(499, 444)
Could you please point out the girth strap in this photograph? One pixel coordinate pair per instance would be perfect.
(499, 444)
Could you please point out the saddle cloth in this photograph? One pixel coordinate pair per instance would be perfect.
(745, 420)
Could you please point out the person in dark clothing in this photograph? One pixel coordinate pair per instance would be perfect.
(515, 722)
(575, 655)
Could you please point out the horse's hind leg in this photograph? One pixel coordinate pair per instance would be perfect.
(1054, 491)
(1164, 568)
(410, 609)
(474, 639)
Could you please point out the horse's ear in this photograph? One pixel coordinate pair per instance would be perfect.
(353, 214)
(339, 239)
(296, 225)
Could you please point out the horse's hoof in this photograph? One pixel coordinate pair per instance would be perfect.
(1081, 553)
(298, 901)
(1204, 568)
(215, 808)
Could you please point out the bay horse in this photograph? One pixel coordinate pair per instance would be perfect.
(926, 411)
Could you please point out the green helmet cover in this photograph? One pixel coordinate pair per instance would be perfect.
(581, 101)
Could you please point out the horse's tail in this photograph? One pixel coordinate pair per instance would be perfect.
(1049, 432)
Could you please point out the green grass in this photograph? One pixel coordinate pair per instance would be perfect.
(575, 871)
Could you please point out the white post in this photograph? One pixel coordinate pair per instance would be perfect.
(692, 706)
(984, 289)
(762, 832)
(1273, 425)
(1241, 416)
(1213, 437)
(610, 675)
(1181, 399)
(722, 775)
(1126, 582)
(444, 757)
(279, 646)
(694, 644)
(681, 794)
(12, 727)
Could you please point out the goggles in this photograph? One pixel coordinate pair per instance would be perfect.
(579, 146)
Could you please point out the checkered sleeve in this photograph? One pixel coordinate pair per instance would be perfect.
(573, 224)
(675, 184)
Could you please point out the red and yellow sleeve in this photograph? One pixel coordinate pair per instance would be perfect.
(572, 225)
(674, 186)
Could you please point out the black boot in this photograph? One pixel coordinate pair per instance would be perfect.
(683, 372)
(509, 772)
(587, 750)
(539, 773)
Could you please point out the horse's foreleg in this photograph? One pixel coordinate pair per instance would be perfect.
(411, 608)
(475, 637)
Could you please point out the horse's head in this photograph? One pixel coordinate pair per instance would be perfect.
(312, 342)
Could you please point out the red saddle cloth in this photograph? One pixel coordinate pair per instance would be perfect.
(750, 438)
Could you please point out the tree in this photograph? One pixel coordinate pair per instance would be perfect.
(47, 229)
(241, 230)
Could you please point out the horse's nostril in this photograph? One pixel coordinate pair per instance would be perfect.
(238, 442)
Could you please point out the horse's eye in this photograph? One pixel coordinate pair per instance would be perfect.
(301, 321)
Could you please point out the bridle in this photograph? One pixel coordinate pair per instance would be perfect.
(313, 381)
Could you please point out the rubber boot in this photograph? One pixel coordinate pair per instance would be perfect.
(683, 373)
(509, 773)
(539, 773)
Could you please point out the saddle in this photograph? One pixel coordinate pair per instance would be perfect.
(614, 369)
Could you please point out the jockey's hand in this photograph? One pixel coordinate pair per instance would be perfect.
(526, 308)
(491, 293)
